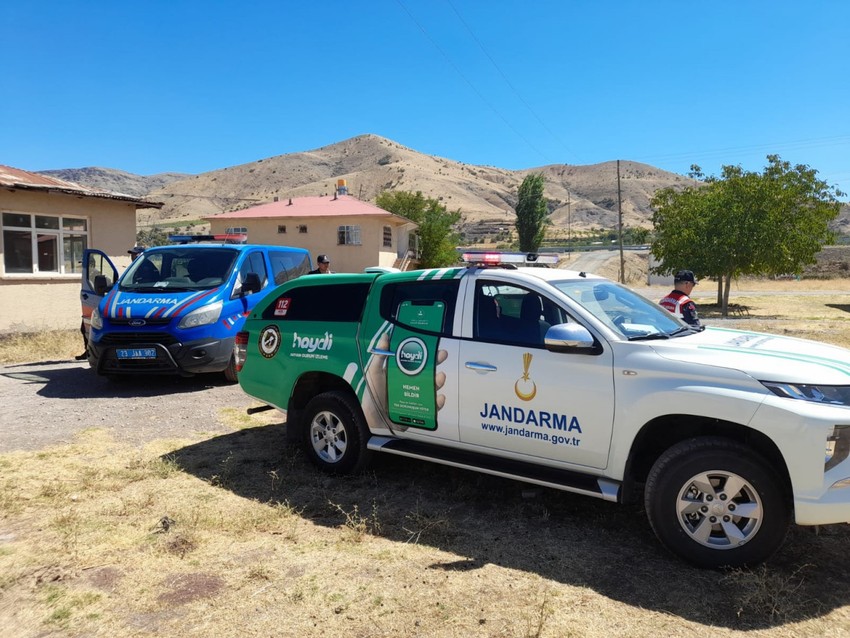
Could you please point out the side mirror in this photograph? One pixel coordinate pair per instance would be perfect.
(571, 337)
(101, 285)
(251, 283)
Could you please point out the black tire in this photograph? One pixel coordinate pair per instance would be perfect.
(230, 371)
(335, 433)
(693, 515)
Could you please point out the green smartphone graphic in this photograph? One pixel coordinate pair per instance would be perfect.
(410, 373)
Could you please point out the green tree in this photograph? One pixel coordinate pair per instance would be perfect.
(151, 237)
(532, 215)
(438, 238)
(744, 223)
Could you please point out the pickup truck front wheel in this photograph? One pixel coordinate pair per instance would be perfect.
(335, 433)
(717, 503)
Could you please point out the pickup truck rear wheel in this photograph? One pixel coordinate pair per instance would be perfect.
(336, 433)
(717, 503)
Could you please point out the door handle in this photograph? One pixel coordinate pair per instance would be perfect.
(480, 367)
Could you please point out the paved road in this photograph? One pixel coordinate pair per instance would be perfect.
(593, 261)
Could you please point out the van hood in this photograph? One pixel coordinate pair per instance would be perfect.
(763, 356)
(157, 307)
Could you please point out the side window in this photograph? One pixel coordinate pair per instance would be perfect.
(504, 313)
(310, 303)
(99, 266)
(254, 262)
(288, 265)
(258, 265)
(426, 306)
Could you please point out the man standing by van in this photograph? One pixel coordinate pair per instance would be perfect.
(678, 301)
(323, 266)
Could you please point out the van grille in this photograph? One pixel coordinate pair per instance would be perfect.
(138, 338)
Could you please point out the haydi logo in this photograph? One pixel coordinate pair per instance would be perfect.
(311, 344)
(411, 356)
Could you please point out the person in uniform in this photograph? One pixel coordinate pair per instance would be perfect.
(323, 266)
(678, 301)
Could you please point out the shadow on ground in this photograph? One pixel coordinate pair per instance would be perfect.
(62, 381)
(575, 540)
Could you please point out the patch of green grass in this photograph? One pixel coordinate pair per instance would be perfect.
(64, 605)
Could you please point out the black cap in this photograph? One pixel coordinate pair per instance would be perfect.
(685, 275)
(136, 250)
(323, 259)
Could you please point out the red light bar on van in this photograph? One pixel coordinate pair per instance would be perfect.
(516, 259)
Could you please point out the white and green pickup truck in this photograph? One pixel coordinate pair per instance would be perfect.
(565, 380)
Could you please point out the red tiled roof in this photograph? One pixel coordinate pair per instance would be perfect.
(11, 177)
(341, 205)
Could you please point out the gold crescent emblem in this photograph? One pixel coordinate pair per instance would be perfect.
(525, 380)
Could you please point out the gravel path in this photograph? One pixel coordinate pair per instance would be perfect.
(46, 403)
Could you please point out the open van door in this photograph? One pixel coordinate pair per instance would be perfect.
(95, 264)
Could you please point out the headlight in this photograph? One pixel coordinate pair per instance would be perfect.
(202, 316)
(96, 319)
(828, 394)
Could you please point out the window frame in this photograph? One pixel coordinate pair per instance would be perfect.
(67, 234)
(349, 235)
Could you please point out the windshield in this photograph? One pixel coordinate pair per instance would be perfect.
(179, 268)
(623, 310)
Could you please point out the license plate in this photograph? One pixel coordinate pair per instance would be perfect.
(136, 353)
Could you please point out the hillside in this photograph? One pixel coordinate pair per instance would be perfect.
(115, 180)
(581, 197)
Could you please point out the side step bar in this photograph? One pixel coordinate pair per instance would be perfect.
(566, 480)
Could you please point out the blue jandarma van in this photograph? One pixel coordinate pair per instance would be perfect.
(177, 308)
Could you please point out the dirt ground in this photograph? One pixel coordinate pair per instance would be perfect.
(47, 403)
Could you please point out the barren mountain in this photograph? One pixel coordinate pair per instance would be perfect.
(115, 180)
(580, 197)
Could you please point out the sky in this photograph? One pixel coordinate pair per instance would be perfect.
(196, 85)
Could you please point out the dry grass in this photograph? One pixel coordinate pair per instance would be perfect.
(19, 347)
(238, 535)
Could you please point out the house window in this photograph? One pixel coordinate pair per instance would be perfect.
(302, 228)
(43, 243)
(348, 235)
(388, 237)
(281, 229)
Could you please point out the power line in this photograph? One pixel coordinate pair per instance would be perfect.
(510, 85)
(819, 142)
(472, 86)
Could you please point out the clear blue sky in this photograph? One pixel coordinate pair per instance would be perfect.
(191, 86)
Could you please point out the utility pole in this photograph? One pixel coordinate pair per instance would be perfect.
(569, 225)
(620, 215)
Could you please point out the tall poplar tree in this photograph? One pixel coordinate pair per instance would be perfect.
(532, 214)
